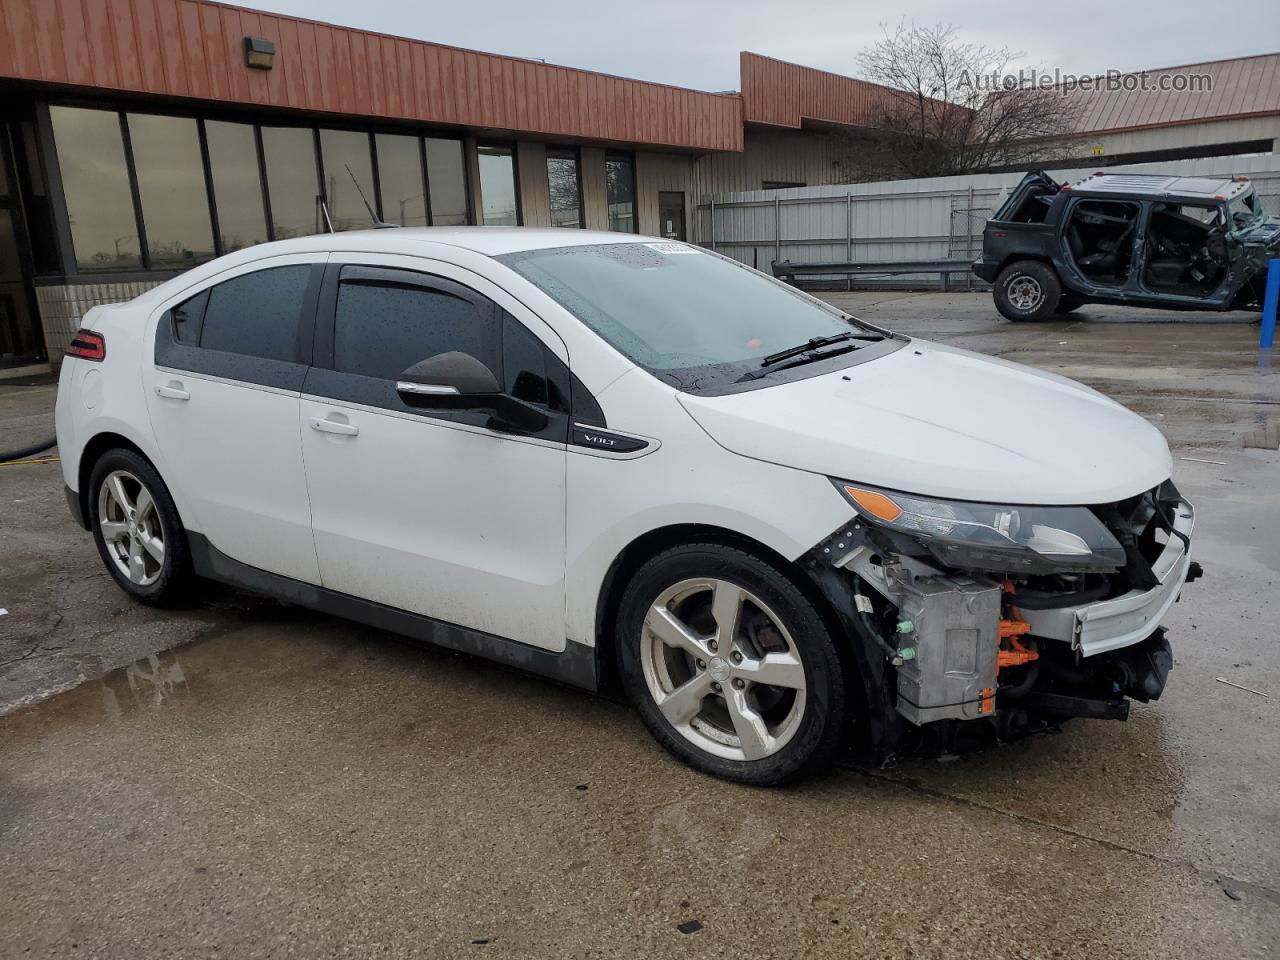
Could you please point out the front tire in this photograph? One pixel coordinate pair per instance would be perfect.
(1027, 290)
(730, 665)
(137, 529)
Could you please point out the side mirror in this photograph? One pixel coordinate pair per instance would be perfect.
(458, 381)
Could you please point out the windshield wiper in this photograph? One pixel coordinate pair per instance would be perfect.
(814, 343)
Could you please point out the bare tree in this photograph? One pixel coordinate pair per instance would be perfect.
(945, 108)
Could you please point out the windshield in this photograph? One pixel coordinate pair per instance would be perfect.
(687, 315)
(1244, 212)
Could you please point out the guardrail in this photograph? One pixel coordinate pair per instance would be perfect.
(790, 270)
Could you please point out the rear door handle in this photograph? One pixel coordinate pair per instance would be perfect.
(172, 391)
(327, 425)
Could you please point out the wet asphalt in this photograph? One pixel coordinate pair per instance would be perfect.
(247, 779)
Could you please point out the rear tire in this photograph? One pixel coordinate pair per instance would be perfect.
(137, 530)
(705, 699)
(1027, 290)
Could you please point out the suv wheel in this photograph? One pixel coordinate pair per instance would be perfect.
(1027, 290)
(137, 529)
(730, 666)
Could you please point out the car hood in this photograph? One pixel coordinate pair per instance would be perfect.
(939, 421)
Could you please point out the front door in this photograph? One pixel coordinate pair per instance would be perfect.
(20, 339)
(435, 511)
(671, 214)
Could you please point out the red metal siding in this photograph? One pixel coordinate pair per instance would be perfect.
(785, 94)
(194, 48)
(1246, 87)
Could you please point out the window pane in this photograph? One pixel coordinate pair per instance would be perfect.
(291, 182)
(447, 172)
(175, 205)
(562, 175)
(382, 329)
(346, 155)
(96, 183)
(620, 173)
(497, 186)
(237, 184)
(257, 314)
(400, 180)
(187, 317)
(524, 366)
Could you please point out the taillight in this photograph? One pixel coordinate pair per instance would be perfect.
(87, 345)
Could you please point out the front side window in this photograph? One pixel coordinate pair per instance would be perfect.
(566, 193)
(95, 181)
(348, 173)
(386, 321)
(620, 185)
(171, 185)
(499, 204)
(693, 318)
(257, 314)
(291, 182)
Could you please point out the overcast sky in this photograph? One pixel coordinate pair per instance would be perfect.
(695, 43)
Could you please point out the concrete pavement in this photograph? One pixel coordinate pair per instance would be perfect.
(246, 779)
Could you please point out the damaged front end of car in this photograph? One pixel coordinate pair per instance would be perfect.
(973, 618)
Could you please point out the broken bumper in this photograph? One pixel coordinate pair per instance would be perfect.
(1106, 625)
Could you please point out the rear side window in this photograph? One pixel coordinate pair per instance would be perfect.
(383, 326)
(257, 314)
(187, 318)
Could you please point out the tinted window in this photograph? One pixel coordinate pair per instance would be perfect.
(257, 314)
(291, 182)
(382, 326)
(620, 175)
(497, 186)
(175, 206)
(566, 199)
(447, 174)
(237, 184)
(526, 367)
(96, 184)
(400, 180)
(347, 163)
(187, 318)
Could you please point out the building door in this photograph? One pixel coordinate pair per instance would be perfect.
(20, 339)
(671, 215)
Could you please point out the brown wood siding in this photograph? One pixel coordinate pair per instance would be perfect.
(194, 48)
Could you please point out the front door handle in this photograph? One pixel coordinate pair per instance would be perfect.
(172, 391)
(327, 425)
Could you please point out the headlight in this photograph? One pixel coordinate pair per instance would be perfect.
(991, 536)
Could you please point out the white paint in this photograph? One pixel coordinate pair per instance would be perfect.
(514, 536)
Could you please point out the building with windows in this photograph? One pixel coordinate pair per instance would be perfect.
(138, 139)
(141, 139)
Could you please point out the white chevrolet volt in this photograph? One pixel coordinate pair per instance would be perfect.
(634, 465)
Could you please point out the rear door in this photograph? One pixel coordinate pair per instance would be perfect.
(223, 395)
(435, 511)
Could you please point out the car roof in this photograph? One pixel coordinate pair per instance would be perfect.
(489, 241)
(406, 241)
(1201, 189)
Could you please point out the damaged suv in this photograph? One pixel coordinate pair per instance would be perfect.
(1183, 243)
(633, 465)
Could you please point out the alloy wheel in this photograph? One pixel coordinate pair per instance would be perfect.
(723, 669)
(1025, 293)
(131, 528)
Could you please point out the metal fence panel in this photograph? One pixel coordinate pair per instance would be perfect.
(927, 219)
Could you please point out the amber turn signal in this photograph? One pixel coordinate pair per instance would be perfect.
(876, 504)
